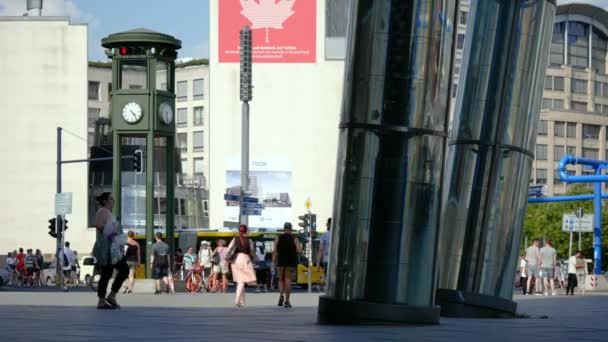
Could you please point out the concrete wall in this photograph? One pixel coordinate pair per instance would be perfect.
(43, 64)
(294, 117)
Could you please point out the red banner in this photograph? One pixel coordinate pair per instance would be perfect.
(283, 31)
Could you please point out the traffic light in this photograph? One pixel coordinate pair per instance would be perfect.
(65, 224)
(305, 221)
(52, 227)
(313, 223)
(245, 55)
(137, 161)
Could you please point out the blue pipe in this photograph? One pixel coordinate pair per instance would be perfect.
(570, 160)
(597, 225)
(564, 198)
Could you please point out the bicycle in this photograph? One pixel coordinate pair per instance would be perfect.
(194, 279)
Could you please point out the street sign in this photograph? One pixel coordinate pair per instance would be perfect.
(250, 200)
(251, 212)
(232, 198)
(537, 190)
(570, 223)
(63, 203)
(249, 205)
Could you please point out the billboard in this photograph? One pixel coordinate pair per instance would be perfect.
(271, 182)
(283, 31)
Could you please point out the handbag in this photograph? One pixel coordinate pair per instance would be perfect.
(215, 259)
(230, 253)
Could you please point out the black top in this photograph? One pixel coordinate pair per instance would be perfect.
(131, 254)
(240, 248)
(287, 252)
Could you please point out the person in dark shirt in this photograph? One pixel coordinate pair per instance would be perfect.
(132, 255)
(285, 257)
(160, 264)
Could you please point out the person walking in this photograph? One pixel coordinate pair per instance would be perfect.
(523, 275)
(581, 272)
(548, 261)
(107, 229)
(68, 261)
(38, 267)
(10, 267)
(262, 268)
(133, 258)
(221, 268)
(285, 256)
(20, 267)
(533, 262)
(572, 274)
(242, 251)
(159, 261)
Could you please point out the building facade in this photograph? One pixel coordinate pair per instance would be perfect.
(298, 71)
(42, 87)
(574, 115)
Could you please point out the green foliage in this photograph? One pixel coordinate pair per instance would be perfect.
(544, 220)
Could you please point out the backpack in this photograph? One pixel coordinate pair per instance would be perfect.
(66, 262)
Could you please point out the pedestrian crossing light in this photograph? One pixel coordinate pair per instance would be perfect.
(52, 227)
(65, 224)
(137, 161)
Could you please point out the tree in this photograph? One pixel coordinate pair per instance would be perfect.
(544, 221)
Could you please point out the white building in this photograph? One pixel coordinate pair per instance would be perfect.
(42, 86)
(294, 112)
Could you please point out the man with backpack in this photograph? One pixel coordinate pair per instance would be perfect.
(67, 261)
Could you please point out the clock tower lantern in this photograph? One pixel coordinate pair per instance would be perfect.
(143, 129)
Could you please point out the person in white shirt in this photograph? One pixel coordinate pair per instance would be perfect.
(572, 273)
(11, 262)
(68, 260)
(532, 261)
(548, 260)
(523, 275)
(204, 258)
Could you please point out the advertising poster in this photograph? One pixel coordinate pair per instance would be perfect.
(271, 182)
(283, 31)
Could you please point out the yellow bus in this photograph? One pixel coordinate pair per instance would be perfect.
(267, 238)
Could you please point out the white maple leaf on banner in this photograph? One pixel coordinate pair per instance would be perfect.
(267, 13)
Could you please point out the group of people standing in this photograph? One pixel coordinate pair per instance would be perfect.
(25, 269)
(541, 263)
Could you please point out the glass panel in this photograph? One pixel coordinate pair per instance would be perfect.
(93, 90)
(556, 178)
(162, 75)
(133, 73)
(182, 91)
(463, 17)
(541, 176)
(182, 141)
(571, 130)
(597, 108)
(547, 103)
(557, 44)
(199, 166)
(598, 55)
(460, 41)
(592, 153)
(198, 89)
(548, 82)
(604, 89)
(182, 117)
(198, 116)
(133, 205)
(578, 44)
(558, 83)
(185, 166)
(541, 152)
(578, 106)
(199, 141)
(571, 150)
(558, 128)
(597, 88)
(558, 104)
(558, 152)
(591, 131)
(336, 19)
(542, 127)
(579, 86)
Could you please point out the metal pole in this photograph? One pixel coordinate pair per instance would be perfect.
(597, 226)
(244, 157)
(570, 246)
(58, 221)
(309, 252)
(580, 228)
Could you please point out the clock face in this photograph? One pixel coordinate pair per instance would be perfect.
(131, 112)
(165, 113)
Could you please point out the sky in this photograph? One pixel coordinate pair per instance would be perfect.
(187, 20)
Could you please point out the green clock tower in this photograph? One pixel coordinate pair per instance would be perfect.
(143, 128)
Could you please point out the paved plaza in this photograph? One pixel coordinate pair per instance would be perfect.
(28, 315)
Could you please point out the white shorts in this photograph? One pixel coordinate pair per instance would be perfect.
(221, 268)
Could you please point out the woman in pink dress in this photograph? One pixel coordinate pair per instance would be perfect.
(221, 268)
(242, 266)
